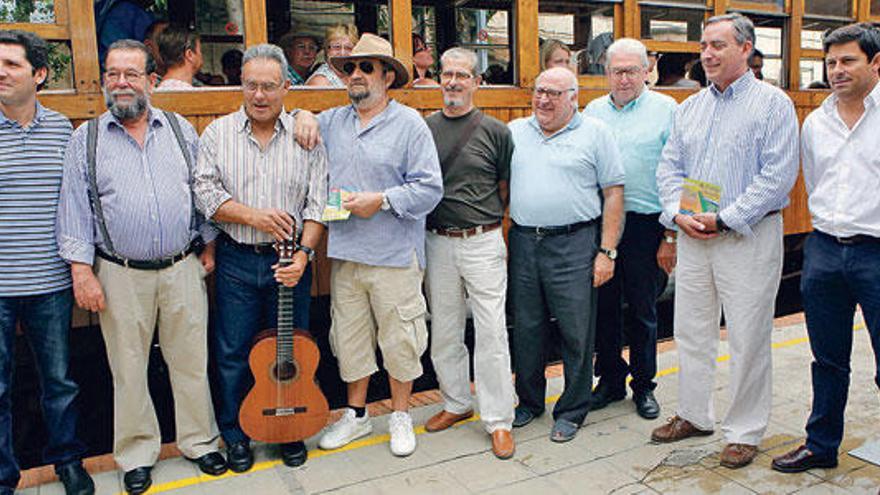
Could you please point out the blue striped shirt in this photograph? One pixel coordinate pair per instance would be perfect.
(31, 164)
(145, 192)
(394, 154)
(744, 139)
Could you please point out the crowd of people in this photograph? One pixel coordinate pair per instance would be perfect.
(128, 214)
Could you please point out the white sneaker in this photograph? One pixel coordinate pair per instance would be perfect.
(348, 428)
(403, 438)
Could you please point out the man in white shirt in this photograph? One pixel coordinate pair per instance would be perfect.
(841, 157)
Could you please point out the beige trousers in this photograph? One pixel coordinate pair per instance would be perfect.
(176, 299)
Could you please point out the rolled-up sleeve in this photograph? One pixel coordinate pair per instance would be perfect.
(316, 195)
(207, 185)
(671, 174)
(422, 188)
(75, 230)
(778, 157)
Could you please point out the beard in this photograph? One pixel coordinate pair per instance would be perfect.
(358, 95)
(127, 111)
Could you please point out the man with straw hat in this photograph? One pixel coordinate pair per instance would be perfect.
(383, 166)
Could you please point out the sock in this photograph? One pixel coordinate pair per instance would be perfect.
(359, 412)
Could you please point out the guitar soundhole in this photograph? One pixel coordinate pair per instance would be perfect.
(284, 371)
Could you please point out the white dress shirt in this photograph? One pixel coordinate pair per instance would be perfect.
(842, 169)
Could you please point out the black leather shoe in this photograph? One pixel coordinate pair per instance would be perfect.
(646, 404)
(605, 394)
(239, 457)
(523, 416)
(802, 459)
(138, 480)
(75, 479)
(294, 454)
(211, 463)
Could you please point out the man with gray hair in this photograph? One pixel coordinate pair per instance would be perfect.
(128, 227)
(259, 186)
(739, 136)
(563, 165)
(467, 256)
(640, 120)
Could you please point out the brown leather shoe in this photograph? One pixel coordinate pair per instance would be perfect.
(677, 429)
(502, 444)
(737, 455)
(444, 419)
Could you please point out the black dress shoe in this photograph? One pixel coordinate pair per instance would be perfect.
(75, 479)
(211, 463)
(646, 404)
(239, 457)
(523, 416)
(605, 394)
(138, 480)
(294, 454)
(802, 459)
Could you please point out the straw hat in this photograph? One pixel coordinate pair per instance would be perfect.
(372, 46)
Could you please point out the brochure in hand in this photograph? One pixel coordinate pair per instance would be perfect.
(334, 210)
(699, 197)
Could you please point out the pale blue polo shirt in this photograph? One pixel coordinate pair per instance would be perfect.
(558, 180)
(640, 128)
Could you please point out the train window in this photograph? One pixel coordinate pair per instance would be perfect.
(309, 30)
(812, 74)
(672, 24)
(814, 30)
(679, 70)
(769, 42)
(484, 26)
(60, 66)
(34, 11)
(875, 8)
(580, 31)
(759, 5)
(831, 8)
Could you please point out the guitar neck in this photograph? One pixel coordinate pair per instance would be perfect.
(284, 327)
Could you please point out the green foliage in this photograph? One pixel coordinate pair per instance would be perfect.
(42, 11)
(59, 62)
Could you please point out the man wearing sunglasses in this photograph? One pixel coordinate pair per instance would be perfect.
(563, 165)
(467, 255)
(381, 155)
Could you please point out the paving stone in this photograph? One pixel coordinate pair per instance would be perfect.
(377, 460)
(484, 471)
(759, 477)
(329, 472)
(541, 456)
(431, 479)
(593, 477)
(863, 480)
(109, 482)
(694, 479)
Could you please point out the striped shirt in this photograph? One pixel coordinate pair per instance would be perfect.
(145, 192)
(232, 165)
(395, 154)
(744, 139)
(31, 165)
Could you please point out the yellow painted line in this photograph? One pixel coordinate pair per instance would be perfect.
(419, 430)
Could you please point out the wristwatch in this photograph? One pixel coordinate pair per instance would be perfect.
(611, 253)
(669, 238)
(309, 251)
(385, 204)
(720, 226)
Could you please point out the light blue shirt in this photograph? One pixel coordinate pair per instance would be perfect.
(557, 180)
(394, 154)
(744, 139)
(145, 193)
(640, 128)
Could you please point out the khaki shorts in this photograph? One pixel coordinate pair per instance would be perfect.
(377, 304)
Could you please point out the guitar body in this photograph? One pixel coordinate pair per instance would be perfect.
(285, 404)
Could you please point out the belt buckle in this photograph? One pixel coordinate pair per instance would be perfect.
(845, 241)
(540, 232)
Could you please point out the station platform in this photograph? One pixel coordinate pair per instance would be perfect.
(611, 454)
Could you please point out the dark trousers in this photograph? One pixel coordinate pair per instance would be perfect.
(835, 278)
(547, 275)
(639, 281)
(246, 302)
(45, 320)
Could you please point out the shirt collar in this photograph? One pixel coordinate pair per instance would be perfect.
(629, 106)
(872, 100)
(736, 88)
(38, 115)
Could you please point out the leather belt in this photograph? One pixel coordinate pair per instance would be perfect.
(148, 264)
(555, 230)
(853, 239)
(262, 248)
(465, 233)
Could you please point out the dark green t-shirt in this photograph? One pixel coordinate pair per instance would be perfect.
(470, 185)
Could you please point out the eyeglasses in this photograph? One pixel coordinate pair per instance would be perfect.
(366, 66)
(129, 75)
(552, 94)
(449, 75)
(266, 87)
(628, 72)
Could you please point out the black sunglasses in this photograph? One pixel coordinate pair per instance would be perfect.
(366, 67)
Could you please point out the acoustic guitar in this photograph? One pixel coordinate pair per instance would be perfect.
(285, 404)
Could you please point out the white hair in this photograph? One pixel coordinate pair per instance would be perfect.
(627, 46)
(461, 54)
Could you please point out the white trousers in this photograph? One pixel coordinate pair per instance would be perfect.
(740, 274)
(474, 267)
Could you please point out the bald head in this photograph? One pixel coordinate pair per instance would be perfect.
(558, 74)
(555, 98)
